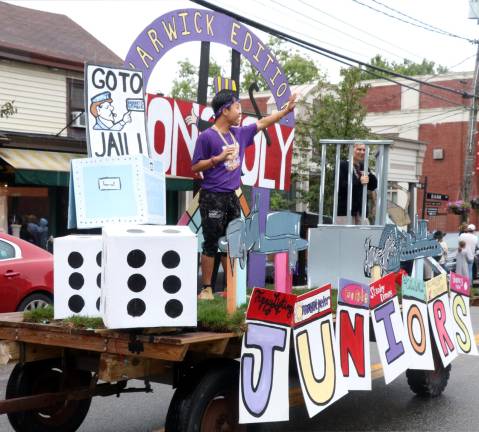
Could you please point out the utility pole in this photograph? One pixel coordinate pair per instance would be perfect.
(470, 153)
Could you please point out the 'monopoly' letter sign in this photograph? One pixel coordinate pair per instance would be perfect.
(267, 167)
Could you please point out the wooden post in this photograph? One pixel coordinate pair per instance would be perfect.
(283, 279)
(231, 285)
(235, 285)
(375, 273)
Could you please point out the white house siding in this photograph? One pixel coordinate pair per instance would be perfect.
(40, 95)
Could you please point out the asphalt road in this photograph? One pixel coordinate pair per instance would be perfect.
(385, 408)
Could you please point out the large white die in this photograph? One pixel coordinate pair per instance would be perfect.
(149, 276)
(77, 275)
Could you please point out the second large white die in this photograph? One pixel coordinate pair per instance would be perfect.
(77, 275)
(149, 276)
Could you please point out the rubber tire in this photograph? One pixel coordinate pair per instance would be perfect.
(22, 381)
(427, 383)
(217, 380)
(33, 297)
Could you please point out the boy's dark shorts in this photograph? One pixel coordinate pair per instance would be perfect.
(217, 210)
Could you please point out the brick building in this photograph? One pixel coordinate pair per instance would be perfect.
(440, 124)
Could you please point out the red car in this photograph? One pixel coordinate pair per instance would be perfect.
(26, 275)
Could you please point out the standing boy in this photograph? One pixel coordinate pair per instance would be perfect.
(218, 155)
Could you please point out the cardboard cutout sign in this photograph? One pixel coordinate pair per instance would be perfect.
(115, 190)
(264, 393)
(463, 333)
(416, 323)
(317, 354)
(388, 327)
(173, 131)
(352, 334)
(115, 101)
(440, 315)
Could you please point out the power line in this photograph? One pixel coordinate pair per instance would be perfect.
(445, 32)
(427, 27)
(450, 114)
(360, 29)
(331, 27)
(321, 50)
(435, 96)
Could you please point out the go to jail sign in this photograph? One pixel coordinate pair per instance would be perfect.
(115, 105)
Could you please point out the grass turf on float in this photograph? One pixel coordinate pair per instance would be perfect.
(212, 316)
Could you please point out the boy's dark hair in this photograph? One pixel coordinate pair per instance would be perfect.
(221, 98)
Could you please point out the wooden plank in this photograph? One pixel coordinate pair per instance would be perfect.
(12, 317)
(193, 337)
(120, 367)
(217, 347)
(10, 352)
(150, 350)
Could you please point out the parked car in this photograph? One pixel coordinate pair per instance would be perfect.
(26, 275)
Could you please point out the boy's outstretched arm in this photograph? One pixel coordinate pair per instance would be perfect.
(265, 122)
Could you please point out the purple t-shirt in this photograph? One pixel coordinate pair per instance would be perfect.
(226, 175)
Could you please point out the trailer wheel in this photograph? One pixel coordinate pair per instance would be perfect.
(428, 383)
(211, 404)
(46, 377)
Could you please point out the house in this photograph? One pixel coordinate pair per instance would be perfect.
(42, 58)
(441, 123)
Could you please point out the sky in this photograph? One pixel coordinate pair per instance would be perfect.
(349, 27)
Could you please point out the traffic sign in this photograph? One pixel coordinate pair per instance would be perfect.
(437, 196)
(432, 211)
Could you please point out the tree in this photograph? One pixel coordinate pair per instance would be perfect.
(335, 111)
(8, 109)
(299, 69)
(186, 86)
(407, 67)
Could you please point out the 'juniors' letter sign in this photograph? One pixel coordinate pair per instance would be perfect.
(416, 323)
(388, 327)
(441, 318)
(264, 394)
(352, 334)
(463, 333)
(115, 112)
(317, 356)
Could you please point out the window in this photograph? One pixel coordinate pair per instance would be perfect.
(76, 105)
(6, 250)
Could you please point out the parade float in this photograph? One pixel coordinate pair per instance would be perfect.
(138, 278)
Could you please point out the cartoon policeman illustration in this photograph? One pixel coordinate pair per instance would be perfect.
(104, 112)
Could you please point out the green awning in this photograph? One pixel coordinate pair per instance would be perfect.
(41, 178)
(56, 178)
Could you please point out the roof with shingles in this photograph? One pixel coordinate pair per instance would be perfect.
(49, 34)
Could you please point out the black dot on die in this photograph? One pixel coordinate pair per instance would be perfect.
(75, 259)
(170, 259)
(136, 282)
(76, 280)
(76, 303)
(136, 307)
(136, 258)
(98, 259)
(172, 284)
(98, 304)
(174, 308)
(98, 280)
